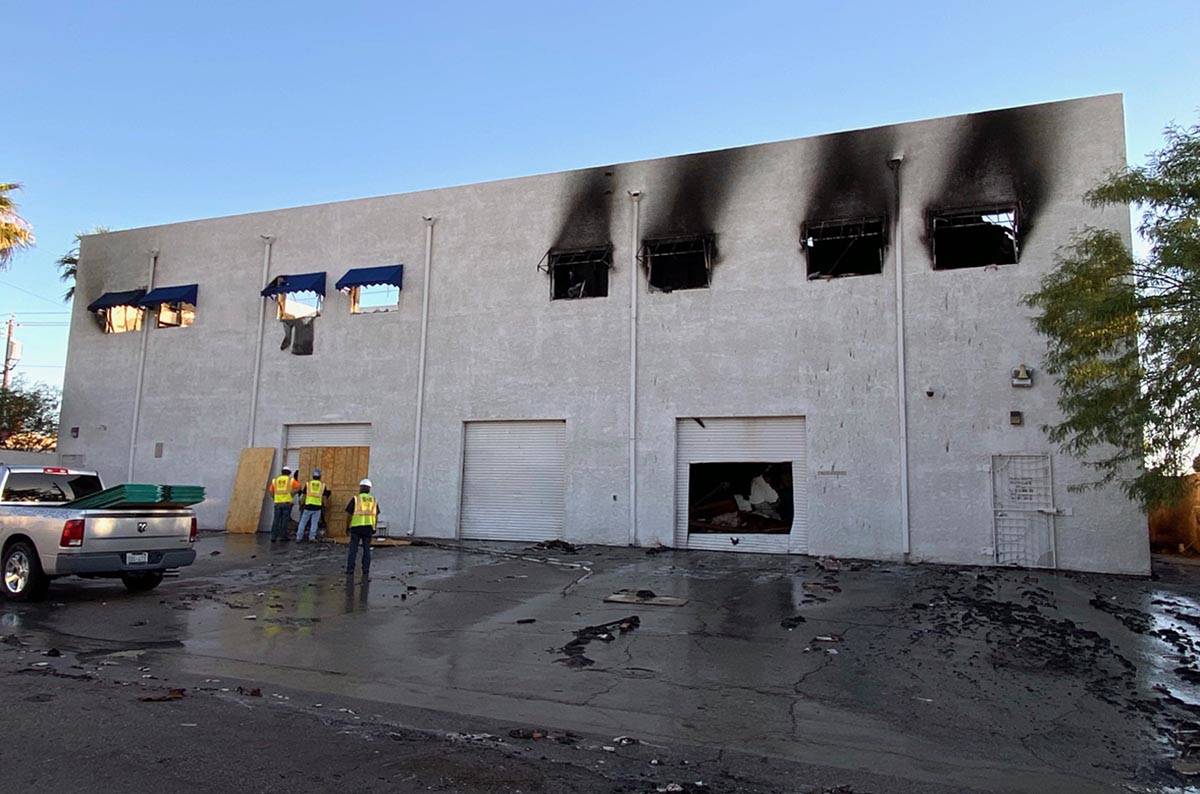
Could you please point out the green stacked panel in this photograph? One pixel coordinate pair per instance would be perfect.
(140, 495)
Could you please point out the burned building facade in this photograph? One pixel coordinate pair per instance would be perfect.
(815, 346)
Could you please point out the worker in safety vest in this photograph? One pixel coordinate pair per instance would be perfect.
(313, 496)
(363, 511)
(282, 489)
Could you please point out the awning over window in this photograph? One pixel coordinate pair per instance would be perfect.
(111, 299)
(372, 276)
(159, 295)
(301, 282)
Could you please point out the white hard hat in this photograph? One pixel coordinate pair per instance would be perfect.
(365, 482)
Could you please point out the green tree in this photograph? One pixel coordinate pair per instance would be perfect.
(1124, 332)
(15, 232)
(68, 263)
(28, 415)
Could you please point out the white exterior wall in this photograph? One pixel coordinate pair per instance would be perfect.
(761, 341)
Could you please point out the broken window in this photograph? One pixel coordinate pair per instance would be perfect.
(298, 335)
(679, 262)
(176, 315)
(745, 498)
(374, 298)
(844, 247)
(119, 319)
(975, 237)
(579, 272)
(296, 305)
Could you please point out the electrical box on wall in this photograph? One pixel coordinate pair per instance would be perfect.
(1022, 377)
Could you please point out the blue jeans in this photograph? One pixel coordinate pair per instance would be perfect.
(311, 516)
(279, 524)
(360, 535)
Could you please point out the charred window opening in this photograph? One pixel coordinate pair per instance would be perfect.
(978, 237)
(746, 498)
(579, 272)
(840, 248)
(679, 262)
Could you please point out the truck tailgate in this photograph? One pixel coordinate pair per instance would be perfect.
(133, 531)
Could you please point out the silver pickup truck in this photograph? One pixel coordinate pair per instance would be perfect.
(41, 539)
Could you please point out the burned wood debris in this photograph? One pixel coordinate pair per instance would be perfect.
(746, 498)
(573, 651)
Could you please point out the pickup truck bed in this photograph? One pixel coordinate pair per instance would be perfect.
(42, 538)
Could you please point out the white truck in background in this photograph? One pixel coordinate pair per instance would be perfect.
(41, 540)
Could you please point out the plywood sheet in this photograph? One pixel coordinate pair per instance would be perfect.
(341, 469)
(249, 489)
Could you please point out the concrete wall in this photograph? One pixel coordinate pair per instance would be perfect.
(763, 340)
(14, 457)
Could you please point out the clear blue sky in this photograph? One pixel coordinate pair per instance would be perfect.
(137, 113)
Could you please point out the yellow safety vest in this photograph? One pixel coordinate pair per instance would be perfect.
(312, 497)
(364, 511)
(283, 489)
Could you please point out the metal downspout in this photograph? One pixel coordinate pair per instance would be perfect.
(416, 459)
(634, 285)
(901, 368)
(141, 376)
(262, 313)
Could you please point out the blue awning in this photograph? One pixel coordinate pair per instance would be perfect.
(301, 282)
(372, 276)
(182, 294)
(111, 299)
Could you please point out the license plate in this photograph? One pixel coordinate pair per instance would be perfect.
(135, 557)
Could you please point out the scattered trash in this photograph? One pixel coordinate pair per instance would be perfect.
(557, 545)
(250, 617)
(829, 564)
(531, 734)
(574, 649)
(171, 694)
(41, 664)
(251, 692)
(214, 553)
(608, 749)
(647, 597)
(411, 588)
(670, 788)
(792, 622)
(53, 653)
(525, 621)
(654, 762)
(657, 550)
(625, 741)
(187, 725)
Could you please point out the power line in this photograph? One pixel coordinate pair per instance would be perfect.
(34, 294)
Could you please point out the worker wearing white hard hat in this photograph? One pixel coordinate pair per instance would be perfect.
(363, 511)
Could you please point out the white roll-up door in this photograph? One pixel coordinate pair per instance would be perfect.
(743, 439)
(342, 434)
(514, 480)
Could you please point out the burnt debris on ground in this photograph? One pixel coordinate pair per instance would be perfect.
(573, 651)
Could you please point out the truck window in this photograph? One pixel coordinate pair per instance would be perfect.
(36, 486)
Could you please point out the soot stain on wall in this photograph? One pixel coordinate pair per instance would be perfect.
(1002, 156)
(851, 178)
(587, 221)
(691, 193)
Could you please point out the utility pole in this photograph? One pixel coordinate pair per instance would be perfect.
(8, 353)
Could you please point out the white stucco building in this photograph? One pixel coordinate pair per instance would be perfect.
(742, 307)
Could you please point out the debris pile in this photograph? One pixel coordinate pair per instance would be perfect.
(573, 651)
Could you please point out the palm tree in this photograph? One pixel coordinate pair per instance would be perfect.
(68, 263)
(14, 230)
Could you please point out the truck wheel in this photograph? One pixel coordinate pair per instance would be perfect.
(142, 581)
(24, 579)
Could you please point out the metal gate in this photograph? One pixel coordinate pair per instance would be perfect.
(1023, 511)
(737, 439)
(514, 480)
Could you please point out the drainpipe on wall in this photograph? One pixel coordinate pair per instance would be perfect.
(141, 376)
(262, 313)
(901, 372)
(416, 459)
(634, 242)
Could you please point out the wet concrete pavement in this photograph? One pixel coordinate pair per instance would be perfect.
(875, 676)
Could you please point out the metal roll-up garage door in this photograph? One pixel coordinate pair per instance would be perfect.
(329, 435)
(514, 480)
(737, 440)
